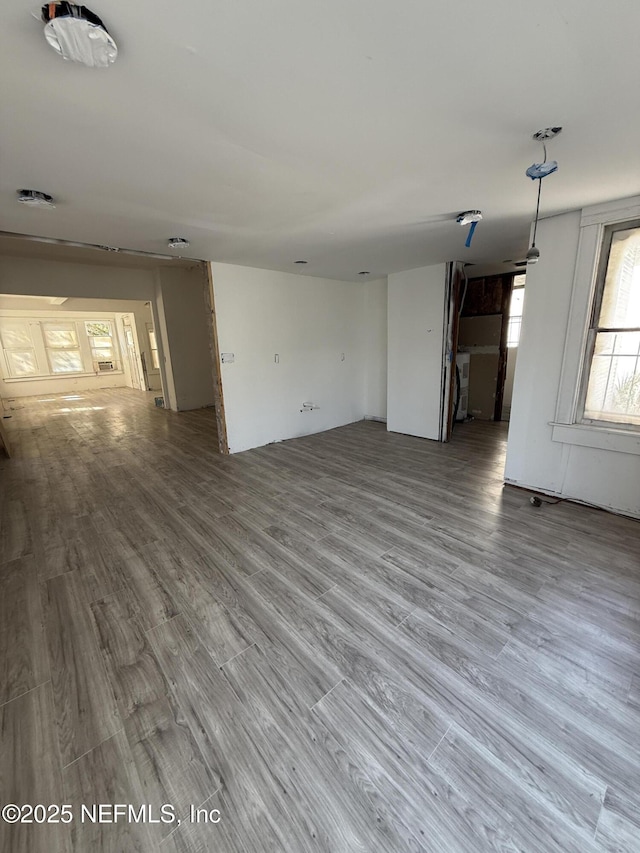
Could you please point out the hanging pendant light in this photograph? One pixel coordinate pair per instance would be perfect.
(538, 171)
(533, 255)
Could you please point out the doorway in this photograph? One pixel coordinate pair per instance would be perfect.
(57, 346)
(132, 361)
(514, 324)
(486, 329)
(168, 346)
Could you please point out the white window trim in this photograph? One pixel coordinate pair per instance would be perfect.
(567, 427)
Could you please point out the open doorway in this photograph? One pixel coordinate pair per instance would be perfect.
(489, 314)
(65, 345)
(78, 318)
(514, 324)
(139, 342)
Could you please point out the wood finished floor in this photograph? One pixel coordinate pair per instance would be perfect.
(353, 641)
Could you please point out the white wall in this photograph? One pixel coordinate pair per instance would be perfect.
(309, 322)
(416, 302)
(187, 334)
(64, 278)
(375, 348)
(607, 478)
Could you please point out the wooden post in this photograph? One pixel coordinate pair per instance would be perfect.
(4, 441)
(218, 395)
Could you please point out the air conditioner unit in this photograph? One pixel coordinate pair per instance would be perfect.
(106, 365)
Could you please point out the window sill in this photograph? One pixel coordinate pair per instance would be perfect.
(599, 437)
(46, 377)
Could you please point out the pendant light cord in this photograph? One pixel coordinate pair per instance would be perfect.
(535, 224)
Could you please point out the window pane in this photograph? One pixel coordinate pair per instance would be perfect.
(66, 361)
(103, 354)
(621, 298)
(22, 363)
(613, 393)
(513, 331)
(15, 335)
(153, 343)
(61, 336)
(99, 328)
(516, 302)
(101, 341)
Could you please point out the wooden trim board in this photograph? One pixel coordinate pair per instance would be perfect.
(4, 440)
(218, 394)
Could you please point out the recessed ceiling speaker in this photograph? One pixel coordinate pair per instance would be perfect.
(35, 198)
(77, 34)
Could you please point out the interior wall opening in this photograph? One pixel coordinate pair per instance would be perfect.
(488, 330)
(77, 319)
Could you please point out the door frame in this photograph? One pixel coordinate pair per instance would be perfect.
(453, 296)
(128, 321)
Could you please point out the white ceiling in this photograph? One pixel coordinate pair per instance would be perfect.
(323, 130)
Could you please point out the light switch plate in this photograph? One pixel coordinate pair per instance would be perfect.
(227, 357)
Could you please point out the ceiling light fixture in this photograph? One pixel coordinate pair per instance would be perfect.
(469, 217)
(301, 262)
(538, 171)
(35, 198)
(178, 243)
(77, 34)
(364, 272)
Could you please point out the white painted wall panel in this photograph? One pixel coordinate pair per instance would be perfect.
(309, 323)
(416, 301)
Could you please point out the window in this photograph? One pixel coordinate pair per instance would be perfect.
(39, 348)
(516, 303)
(100, 335)
(19, 351)
(612, 391)
(153, 346)
(63, 349)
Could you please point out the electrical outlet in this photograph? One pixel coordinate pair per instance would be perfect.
(276, 358)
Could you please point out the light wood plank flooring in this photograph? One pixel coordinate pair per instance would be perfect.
(353, 641)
